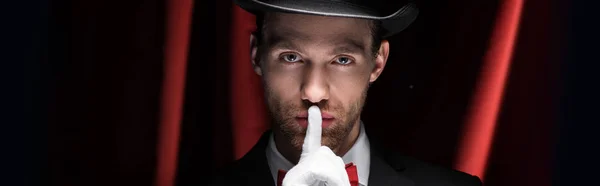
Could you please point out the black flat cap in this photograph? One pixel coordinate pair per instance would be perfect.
(394, 17)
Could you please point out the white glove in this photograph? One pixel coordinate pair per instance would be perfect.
(317, 164)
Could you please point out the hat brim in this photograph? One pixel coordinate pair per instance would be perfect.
(392, 23)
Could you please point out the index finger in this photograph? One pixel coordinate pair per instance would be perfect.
(312, 140)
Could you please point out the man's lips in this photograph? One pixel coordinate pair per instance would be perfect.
(324, 115)
(327, 119)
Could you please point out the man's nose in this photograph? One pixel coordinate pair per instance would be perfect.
(315, 87)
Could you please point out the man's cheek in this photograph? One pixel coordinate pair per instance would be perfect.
(285, 86)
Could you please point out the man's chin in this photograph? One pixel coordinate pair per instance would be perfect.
(326, 123)
(331, 134)
(325, 141)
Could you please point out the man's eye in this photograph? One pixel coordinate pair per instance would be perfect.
(343, 60)
(291, 58)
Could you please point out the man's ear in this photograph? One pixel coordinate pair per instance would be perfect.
(380, 60)
(254, 55)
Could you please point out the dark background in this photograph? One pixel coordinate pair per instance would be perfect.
(93, 72)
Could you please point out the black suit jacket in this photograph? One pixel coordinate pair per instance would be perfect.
(387, 168)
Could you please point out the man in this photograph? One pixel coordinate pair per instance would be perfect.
(317, 59)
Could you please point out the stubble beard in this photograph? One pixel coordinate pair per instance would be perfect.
(283, 117)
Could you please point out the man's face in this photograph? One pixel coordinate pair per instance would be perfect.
(309, 60)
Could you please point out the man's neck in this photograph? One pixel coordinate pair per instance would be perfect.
(293, 155)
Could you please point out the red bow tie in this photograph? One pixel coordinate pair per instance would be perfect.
(350, 169)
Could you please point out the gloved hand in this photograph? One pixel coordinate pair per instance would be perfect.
(317, 164)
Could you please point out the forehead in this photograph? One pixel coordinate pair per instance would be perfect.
(316, 29)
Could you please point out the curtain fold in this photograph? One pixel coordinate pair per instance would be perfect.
(485, 105)
(178, 17)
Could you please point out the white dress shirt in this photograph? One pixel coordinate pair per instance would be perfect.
(359, 154)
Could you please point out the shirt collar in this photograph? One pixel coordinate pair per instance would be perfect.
(359, 154)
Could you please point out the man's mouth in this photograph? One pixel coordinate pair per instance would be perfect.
(302, 119)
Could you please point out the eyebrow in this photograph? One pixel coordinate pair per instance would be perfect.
(283, 44)
(349, 46)
(284, 41)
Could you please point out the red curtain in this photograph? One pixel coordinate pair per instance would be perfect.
(157, 92)
(247, 106)
(485, 105)
(179, 15)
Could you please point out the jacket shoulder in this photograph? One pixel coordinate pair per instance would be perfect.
(429, 174)
(251, 169)
(228, 175)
